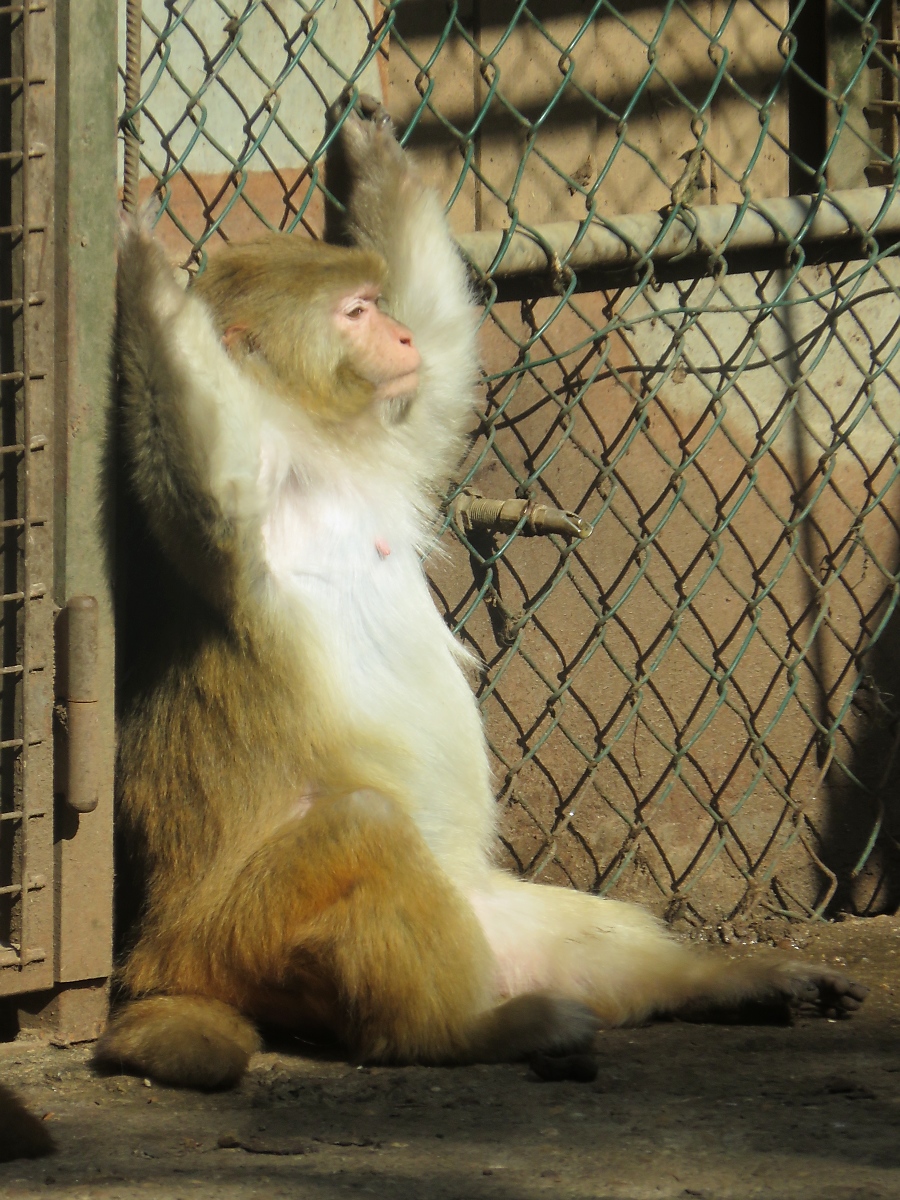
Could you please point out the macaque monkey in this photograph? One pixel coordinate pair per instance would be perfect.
(302, 763)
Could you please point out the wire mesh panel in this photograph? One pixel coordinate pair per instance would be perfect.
(26, 487)
(682, 219)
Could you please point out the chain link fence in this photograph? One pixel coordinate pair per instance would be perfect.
(683, 222)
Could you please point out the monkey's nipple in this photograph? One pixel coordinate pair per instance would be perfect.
(382, 547)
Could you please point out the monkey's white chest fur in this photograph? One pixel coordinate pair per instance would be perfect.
(342, 558)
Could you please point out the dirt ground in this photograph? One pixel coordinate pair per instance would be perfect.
(796, 1112)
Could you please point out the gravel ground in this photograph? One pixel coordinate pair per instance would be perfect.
(803, 1112)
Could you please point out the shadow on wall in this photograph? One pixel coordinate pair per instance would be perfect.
(859, 840)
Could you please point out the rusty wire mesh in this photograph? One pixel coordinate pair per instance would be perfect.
(695, 707)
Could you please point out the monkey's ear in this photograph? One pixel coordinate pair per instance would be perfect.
(239, 340)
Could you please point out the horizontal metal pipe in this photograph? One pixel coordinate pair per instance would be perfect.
(707, 229)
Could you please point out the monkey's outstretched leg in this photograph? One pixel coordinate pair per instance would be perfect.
(620, 960)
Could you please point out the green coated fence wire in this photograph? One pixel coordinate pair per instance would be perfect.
(695, 707)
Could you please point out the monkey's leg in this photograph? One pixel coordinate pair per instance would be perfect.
(346, 914)
(344, 918)
(620, 960)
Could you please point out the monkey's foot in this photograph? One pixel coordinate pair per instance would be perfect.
(183, 1041)
(534, 1023)
(833, 994)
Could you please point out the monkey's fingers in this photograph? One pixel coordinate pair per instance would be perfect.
(373, 110)
(366, 109)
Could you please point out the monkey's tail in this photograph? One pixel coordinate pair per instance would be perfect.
(185, 1041)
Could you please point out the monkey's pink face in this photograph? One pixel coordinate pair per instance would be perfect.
(380, 348)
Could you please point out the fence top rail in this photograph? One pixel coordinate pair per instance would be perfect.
(706, 229)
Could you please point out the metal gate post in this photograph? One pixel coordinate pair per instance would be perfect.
(86, 206)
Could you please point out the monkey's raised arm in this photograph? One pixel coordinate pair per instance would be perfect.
(393, 212)
(189, 424)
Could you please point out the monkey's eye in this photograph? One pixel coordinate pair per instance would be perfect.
(356, 310)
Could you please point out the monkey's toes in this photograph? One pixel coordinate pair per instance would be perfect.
(838, 995)
(833, 993)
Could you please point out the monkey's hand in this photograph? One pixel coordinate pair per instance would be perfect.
(769, 987)
(383, 189)
(368, 139)
(146, 285)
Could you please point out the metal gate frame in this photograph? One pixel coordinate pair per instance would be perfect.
(26, 749)
(56, 867)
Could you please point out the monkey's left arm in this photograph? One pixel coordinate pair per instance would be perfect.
(392, 211)
(189, 424)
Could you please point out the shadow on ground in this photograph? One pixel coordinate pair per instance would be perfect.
(806, 1112)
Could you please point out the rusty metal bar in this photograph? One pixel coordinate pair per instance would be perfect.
(27, 815)
(131, 125)
(473, 512)
(37, 645)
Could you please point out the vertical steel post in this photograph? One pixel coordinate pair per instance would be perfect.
(85, 305)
